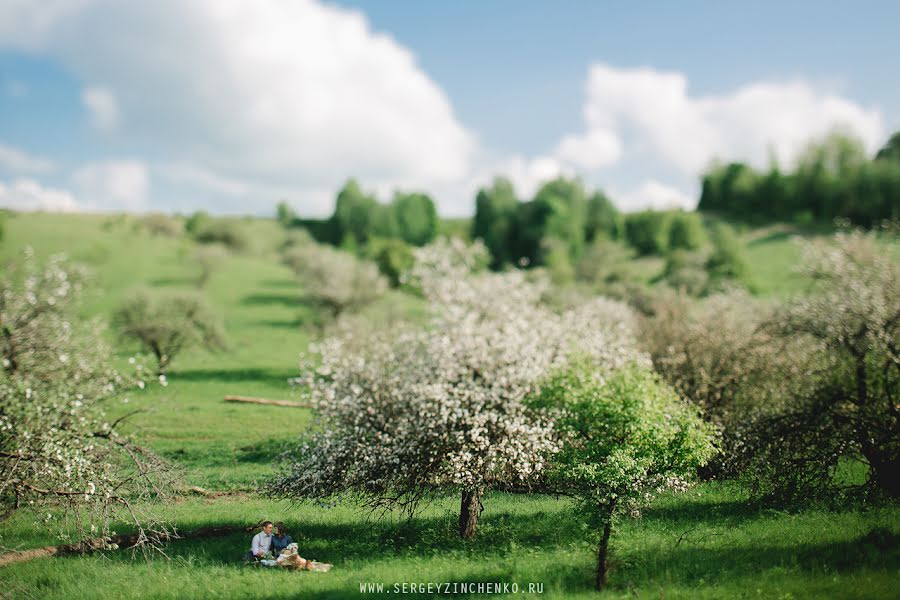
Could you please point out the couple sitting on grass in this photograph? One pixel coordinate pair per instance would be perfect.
(279, 550)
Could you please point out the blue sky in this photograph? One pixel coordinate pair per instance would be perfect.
(231, 106)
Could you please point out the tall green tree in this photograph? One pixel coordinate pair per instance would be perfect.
(495, 217)
(417, 220)
(891, 150)
(602, 219)
(353, 213)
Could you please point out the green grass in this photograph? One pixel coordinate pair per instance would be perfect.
(704, 544)
(726, 549)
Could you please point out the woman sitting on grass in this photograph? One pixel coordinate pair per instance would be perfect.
(281, 539)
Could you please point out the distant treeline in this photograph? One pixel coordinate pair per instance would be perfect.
(833, 179)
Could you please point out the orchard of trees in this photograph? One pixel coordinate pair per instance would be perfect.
(519, 379)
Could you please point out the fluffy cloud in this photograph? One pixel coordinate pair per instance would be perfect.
(111, 185)
(597, 148)
(296, 94)
(18, 161)
(29, 195)
(102, 107)
(654, 113)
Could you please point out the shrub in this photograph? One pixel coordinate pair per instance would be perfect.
(220, 231)
(393, 257)
(648, 231)
(718, 354)
(623, 438)
(727, 261)
(196, 222)
(686, 271)
(161, 224)
(686, 231)
(58, 450)
(165, 324)
(604, 264)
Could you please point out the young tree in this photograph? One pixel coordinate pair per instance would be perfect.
(58, 450)
(208, 258)
(165, 324)
(409, 414)
(335, 279)
(623, 437)
(285, 214)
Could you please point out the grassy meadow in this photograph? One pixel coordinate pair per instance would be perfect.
(706, 543)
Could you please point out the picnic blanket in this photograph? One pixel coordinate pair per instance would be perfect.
(291, 559)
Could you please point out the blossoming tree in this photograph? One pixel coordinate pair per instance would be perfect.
(57, 448)
(334, 279)
(440, 409)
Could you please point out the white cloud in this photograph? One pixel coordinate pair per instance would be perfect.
(29, 195)
(655, 195)
(197, 176)
(18, 161)
(595, 149)
(114, 184)
(102, 107)
(653, 112)
(299, 94)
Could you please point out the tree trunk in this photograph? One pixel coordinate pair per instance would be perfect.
(603, 551)
(469, 510)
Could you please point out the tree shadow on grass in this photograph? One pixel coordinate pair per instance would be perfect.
(689, 565)
(361, 545)
(265, 452)
(294, 299)
(175, 281)
(233, 375)
(280, 283)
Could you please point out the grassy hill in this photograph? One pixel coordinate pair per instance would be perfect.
(705, 544)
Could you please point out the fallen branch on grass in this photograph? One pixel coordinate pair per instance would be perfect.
(266, 401)
(123, 541)
(196, 489)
